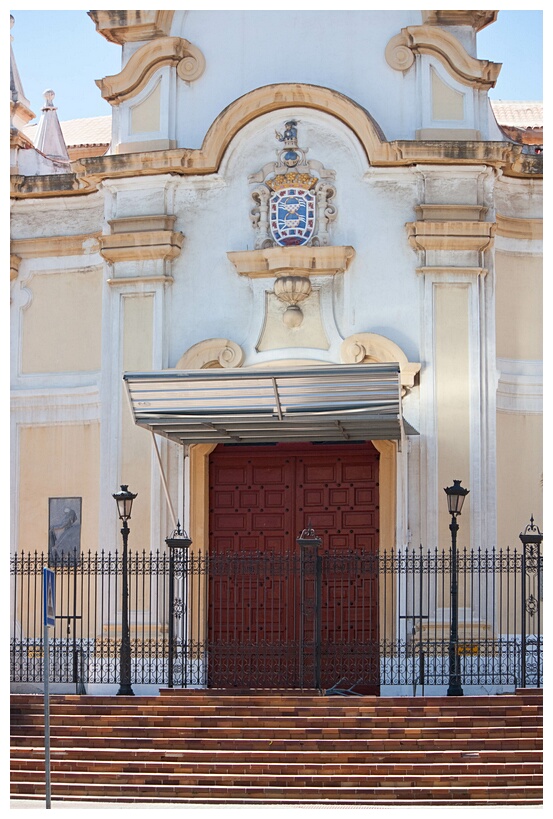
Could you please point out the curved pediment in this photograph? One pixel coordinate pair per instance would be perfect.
(413, 40)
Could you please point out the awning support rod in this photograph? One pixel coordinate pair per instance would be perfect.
(164, 481)
(277, 399)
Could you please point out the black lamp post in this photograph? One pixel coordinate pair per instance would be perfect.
(177, 542)
(456, 495)
(124, 500)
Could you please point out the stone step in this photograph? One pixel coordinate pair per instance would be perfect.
(286, 704)
(276, 729)
(162, 742)
(226, 757)
(342, 795)
(209, 696)
(102, 770)
(167, 706)
(35, 722)
(286, 780)
(263, 748)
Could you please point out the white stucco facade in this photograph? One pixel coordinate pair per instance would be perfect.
(123, 264)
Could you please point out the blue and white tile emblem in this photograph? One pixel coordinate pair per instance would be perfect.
(293, 200)
(292, 216)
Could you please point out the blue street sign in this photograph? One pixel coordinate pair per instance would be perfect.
(49, 596)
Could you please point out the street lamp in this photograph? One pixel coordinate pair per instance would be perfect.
(124, 500)
(178, 542)
(456, 495)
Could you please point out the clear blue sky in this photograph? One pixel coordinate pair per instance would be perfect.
(62, 50)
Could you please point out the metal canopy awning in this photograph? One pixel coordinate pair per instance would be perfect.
(322, 403)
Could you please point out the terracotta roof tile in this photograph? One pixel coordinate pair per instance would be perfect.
(89, 131)
(518, 114)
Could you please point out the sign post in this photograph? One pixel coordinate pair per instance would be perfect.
(49, 597)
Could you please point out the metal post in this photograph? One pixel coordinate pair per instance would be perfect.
(178, 540)
(171, 617)
(125, 687)
(531, 540)
(46, 655)
(49, 619)
(310, 605)
(77, 652)
(454, 689)
(317, 620)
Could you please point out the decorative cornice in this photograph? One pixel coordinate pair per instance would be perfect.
(300, 261)
(141, 245)
(172, 51)
(123, 281)
(54, 246)
(475, 19)
(453, 272)
(136, 238)
(450, 235)
(367, 347)
(131, 26)
(89, 172)
(402, 49)
(23, 187)
(138, 224)
(447, 213)
(513, 228)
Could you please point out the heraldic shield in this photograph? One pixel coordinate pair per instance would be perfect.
(292, 216)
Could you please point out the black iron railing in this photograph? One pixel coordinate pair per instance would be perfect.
(298, 620)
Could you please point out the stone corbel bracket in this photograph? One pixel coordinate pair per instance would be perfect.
(450, 235)
(402, 49)
(271, 262)
(212, 352)
(172, 51)
(142, 237)
(370, 347)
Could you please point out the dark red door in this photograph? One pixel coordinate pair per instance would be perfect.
(260, 500)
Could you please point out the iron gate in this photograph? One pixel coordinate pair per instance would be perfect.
(289, 621)
(296, 620)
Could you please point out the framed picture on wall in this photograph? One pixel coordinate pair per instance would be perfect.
(64, 529)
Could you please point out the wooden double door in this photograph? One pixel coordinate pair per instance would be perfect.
(281, 616)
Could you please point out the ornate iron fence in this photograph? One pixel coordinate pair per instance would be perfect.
(302, 619)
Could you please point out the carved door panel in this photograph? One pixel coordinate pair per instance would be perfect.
(260, 500)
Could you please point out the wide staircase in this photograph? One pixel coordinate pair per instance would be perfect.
(281, 747)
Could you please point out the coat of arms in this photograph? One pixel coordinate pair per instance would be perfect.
(293, 205)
